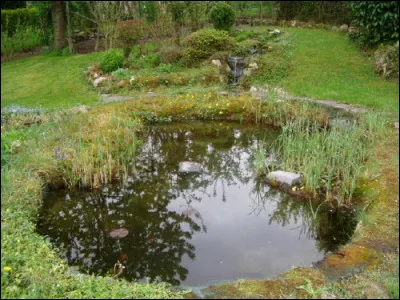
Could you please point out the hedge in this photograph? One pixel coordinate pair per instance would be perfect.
(11, 18)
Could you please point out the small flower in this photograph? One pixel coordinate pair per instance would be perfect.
(209, 107)
(227, 105)
(302, 188)
(7, 269)
(217, 104)
(220, 112)
(294, 188)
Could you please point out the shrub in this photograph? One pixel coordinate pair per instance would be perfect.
(222, 16)
(112, 60)
(151, 60)
(12, 19)
(378, 21)
(23, 39)
(387, 61)
(129, 33)
(122, 74)
(170, 54)
(203, 43)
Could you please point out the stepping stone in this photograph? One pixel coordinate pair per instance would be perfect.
(189, 167)
(283, 177)
(106, 98)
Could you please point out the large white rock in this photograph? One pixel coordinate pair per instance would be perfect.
(216, 62)
(283, 177)
(98, 81)
(189, 167)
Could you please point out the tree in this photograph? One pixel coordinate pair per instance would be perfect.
(58, 17)
(177, 9)
(196, 10)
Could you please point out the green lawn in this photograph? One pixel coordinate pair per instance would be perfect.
(328, 66)
(48, 81)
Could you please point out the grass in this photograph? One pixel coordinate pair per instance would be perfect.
(48, 81)
(329, 66)
(32, 269)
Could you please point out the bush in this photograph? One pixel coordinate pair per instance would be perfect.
(387, 61)
(23, 39)
(378, 21)
(122, 74)
(149, 61)
(203, 43)
(129, 33)
(13, 19)
(222, 16)
(112, 60)
(170, 54)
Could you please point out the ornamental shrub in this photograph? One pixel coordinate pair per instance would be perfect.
(222, 16)
(129, 33)
(378, 21)
(203, 43)
(112, 60)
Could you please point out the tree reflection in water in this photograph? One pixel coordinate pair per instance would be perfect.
(159, 237)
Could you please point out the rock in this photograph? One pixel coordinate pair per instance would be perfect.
(76, 31)
(344, 27)
(189, 167)
(276, 31)
(119, 233)
(326, 295)
(79, 109)
(373, 290)
(293, 23)
(340, 122)
(223, 93)
(105, 98)
(95, 75)
(353, 29)
(396, 125)
(123, 83)
(335, 28)
(247, 72)
(253, 89)
(283, 177)
(132, 79)
(216, 62)
(98, 81)
(253, 65)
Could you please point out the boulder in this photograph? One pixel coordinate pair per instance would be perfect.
(352, 29)
(216, 62)
(286, 178)
(335, 28)
(253, 65)
(344, 27)
(189, 167)
(123, 83)
(98, 81)
(119, 233)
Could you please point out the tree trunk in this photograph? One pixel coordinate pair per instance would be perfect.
(69, 37)
(58, 14)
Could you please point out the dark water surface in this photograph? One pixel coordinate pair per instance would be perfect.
(194, 229)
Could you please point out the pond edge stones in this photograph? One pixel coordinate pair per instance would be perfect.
(190, 167)
(287, 179)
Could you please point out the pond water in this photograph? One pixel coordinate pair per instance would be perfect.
(192, 229)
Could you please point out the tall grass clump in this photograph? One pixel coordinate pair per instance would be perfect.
(331, 159)
(23, 39)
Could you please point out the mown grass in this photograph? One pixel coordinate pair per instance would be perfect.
(329, 66)
(48, 81)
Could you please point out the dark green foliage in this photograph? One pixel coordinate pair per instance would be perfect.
(203, 43)
(378, 21)
(170, 54)
(149, 61)
(112, 60)
(21, 17)
(328, 12)
(151, 11)
(13, 4)
(222, 16)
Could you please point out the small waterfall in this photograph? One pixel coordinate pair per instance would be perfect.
(236, 64)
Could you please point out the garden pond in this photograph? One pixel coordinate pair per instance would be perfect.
(197, 229)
